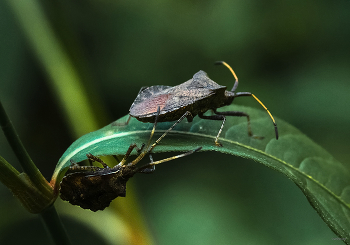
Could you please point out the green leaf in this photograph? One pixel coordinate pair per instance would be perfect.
(324, 181)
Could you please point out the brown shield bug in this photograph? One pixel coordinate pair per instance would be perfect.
(191, 98)
(92, 187)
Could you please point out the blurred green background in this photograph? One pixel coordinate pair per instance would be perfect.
(294, 55)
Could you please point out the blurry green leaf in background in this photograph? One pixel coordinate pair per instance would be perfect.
(293, 55)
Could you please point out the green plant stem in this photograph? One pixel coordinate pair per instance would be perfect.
(54, 226)
(26, 162)
(64, 78)
(23, 188)
(8, 174)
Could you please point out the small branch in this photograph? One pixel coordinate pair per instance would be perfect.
(9, 176)
(21, 153)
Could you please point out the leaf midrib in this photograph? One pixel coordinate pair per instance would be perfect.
(118, 135)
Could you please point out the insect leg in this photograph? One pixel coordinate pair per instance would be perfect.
(148, 149)
(93, 158)
(122, 161)
(73, 163)
(139, 150)
(215, 117)
(127, 154)
(83, 168)
(239, 114)
(90, 162)
(121, 124)
(186, 115)
(150, 169)
(76, 167)
(152, 163)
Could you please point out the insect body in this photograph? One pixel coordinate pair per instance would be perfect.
(191, 98)
(94, 188)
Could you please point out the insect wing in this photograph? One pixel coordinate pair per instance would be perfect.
(170, 99)
(148, 100)
(195, 89)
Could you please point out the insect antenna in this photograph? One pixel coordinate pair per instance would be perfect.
(247, 94)
(233, 73)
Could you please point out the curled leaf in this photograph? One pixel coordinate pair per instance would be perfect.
(324, 180)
